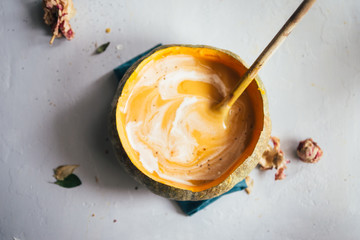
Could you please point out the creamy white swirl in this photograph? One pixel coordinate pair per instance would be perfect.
(168, 122)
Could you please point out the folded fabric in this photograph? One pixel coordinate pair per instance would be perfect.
(188, 207)
(121, 70)
(191, 207)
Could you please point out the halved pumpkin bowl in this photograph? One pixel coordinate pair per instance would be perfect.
(235, 173)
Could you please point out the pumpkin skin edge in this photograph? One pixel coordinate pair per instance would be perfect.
(174, 193)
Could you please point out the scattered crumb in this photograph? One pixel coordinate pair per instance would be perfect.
(93, 215)
(136, 188)
(273, 157)
(250, 183)
(114, 220)
(308, 151)
(96, 179)
(119, 47)
(108, 30)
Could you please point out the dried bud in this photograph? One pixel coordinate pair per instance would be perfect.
(280, 175)
(308, 151)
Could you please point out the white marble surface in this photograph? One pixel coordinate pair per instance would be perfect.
(54, 102)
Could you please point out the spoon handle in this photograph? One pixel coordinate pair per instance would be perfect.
(250, 74)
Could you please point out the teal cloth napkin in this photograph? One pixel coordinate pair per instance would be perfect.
(121, 70)
(188, 207)
(191, 207)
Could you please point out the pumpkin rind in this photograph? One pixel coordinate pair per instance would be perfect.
(176, 193)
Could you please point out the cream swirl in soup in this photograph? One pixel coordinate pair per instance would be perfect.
(168, 120)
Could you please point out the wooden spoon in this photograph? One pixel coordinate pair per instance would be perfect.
(225, 105)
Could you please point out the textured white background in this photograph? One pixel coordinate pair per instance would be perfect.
(54, 102)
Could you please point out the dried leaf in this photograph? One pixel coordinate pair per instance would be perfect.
(69, 182)
(61, 172)
(102, 48)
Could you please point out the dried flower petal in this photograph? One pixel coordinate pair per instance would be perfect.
(308, 151)
(61, 172)
(57, 14)
(250, 183)
(273, 157)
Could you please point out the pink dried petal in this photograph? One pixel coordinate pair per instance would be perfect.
(280, 175)
(66, 30)
(276, 143)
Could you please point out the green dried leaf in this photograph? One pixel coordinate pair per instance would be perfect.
(69, 182)
(102, 48)
(61, 172)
